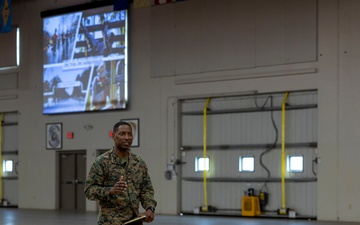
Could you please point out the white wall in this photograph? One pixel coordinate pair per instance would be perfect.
(328, 192)
(335, 75)
(348, 108)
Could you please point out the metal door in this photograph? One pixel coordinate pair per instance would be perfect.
(72, 179)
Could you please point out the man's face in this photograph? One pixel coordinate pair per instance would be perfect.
(123, 137)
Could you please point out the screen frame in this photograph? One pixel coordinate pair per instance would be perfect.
(75, 8)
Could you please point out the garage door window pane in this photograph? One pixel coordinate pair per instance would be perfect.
(247, 164)
(295, 163)
(201, 164)
(8, 166)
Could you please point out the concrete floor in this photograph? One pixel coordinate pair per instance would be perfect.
(10, 216)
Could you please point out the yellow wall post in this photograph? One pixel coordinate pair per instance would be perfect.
(205, 207)
(283, 205)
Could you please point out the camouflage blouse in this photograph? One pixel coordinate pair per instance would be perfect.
(104, 173)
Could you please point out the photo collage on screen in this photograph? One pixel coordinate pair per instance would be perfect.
(85, 61)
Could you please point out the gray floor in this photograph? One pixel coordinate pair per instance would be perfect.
(9, 216)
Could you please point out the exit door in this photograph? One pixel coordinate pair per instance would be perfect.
(72, 180)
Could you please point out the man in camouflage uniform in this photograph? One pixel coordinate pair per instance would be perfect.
(119, 180)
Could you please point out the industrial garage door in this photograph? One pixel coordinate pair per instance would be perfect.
(262, 127)
(9, 157)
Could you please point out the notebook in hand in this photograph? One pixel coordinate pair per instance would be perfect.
(135, 219)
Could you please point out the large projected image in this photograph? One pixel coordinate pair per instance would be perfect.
(85, 61)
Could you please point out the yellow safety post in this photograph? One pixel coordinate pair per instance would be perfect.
(1, 163)
(204, 208)
(283, 205)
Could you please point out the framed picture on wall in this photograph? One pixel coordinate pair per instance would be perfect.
(54, 136)
(135, 124)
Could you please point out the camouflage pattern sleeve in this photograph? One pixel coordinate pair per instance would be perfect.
(94, 185)
(147, 191)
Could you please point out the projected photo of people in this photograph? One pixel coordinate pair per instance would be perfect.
(59, 37)
(107, 87)
(100, 35)
(85, 60)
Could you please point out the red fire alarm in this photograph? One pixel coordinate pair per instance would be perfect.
(111, 133)
(70, 135)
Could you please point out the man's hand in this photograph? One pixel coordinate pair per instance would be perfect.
(149, 216)
(119, 186)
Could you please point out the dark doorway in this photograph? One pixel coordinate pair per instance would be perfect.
(72, 167)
